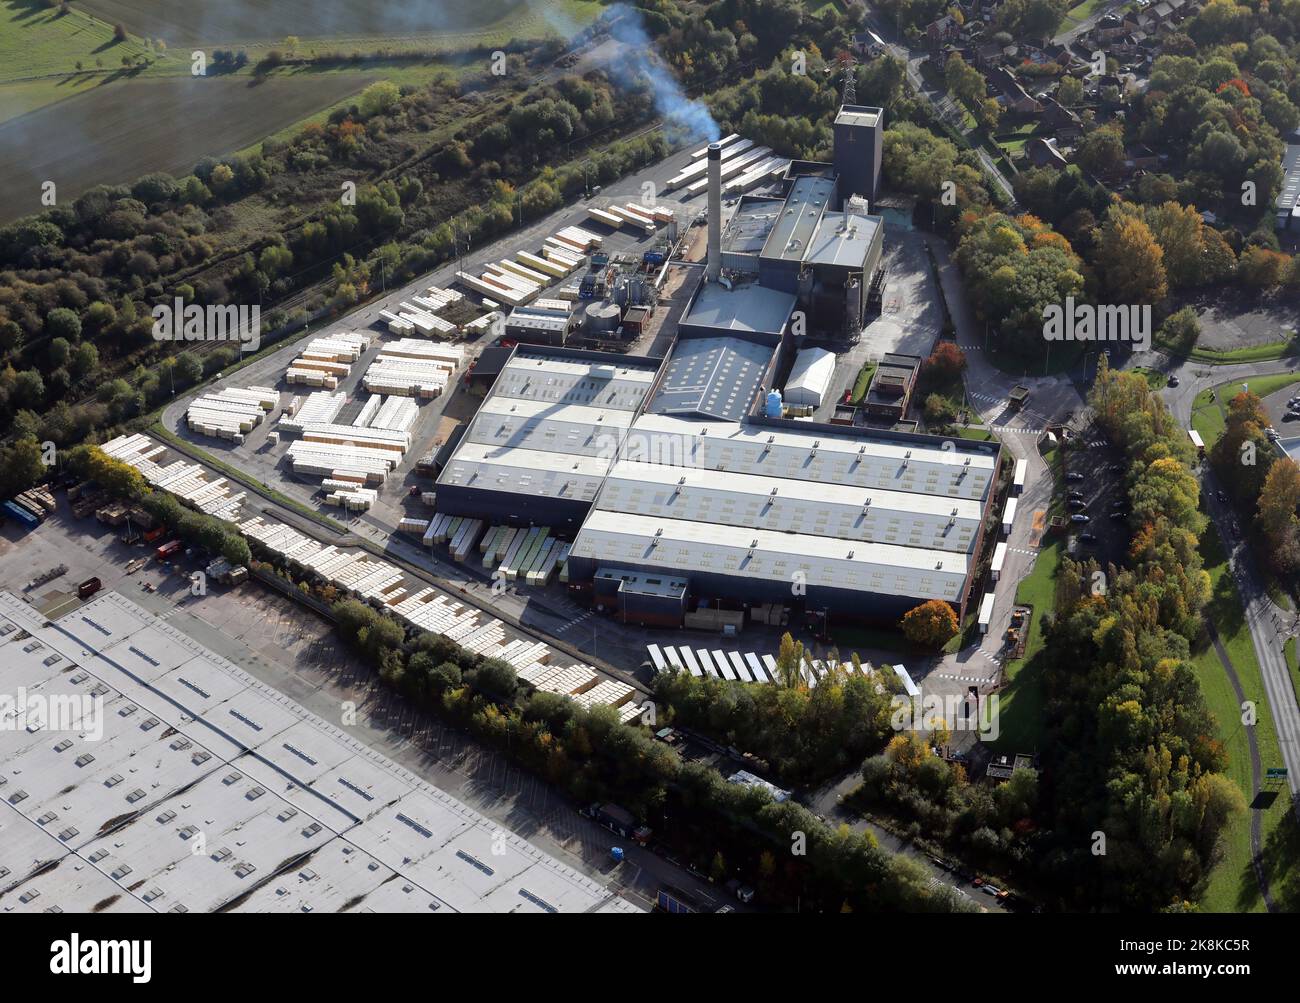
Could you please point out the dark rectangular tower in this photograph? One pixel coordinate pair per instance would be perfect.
(858, 143)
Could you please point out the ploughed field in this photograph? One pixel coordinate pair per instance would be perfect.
(116, 133)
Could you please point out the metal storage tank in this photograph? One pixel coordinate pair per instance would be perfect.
(603, 318)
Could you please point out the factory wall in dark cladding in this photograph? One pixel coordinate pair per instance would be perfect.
(638, 608)
(563, 516)
(844, 604)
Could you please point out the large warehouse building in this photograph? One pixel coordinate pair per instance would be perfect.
(191, 786)
(774, 511)
(543, 440)
(669, 472)
(680, 479)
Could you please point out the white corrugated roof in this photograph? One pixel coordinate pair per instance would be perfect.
(648, 541)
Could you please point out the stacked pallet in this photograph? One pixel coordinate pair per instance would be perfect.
(187, 481)
(732, 167)
(480, 324)
(368, 410)
(397, 414)
(563, 254)
(553, 269)
(358, 464)
(496, 292)
(321, 407)
(419, 316)
(413, 526)
(578, 239)
(528, 555)
(229, 413)
(325, 361)
(353, 499)
(413, 368)
(698, 169)
(767, 170)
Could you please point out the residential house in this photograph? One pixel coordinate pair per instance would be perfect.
(1060, 122)
(1040, 152)
(941, 32)
(1011, 93)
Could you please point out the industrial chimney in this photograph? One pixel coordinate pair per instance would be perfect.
(714, 269)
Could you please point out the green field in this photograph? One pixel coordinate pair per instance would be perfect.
(1078, 14)
(346, 23)
(1155, 379)
(1023, 701)
(1209, 417)
(38, 41)
(105, 123)
(116, 134)
(1232, 886)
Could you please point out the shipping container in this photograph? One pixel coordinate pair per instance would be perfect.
(88, 588)
(167, 549)
(21, 514)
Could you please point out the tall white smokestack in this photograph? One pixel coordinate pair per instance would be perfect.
(714, 269)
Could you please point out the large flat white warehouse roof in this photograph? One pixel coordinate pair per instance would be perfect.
(825, 457)
(202, 788)
(738, 551)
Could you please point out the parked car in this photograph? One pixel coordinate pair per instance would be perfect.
(1222, 496)
(1118, 514)
(1089, 538)
(1074, 476)
(1173, 381)
(1079, 517)
(1077, 503)
(1074, 494)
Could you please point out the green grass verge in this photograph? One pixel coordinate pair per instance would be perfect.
(1022, 702)
(1251, 353)
(863, 383)
(1209, 416)
(1076, 15)
(1155, 379)
(1232, 886)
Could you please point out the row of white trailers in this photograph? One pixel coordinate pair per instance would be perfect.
(373, 580)
(746, 668)
(379, 582)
